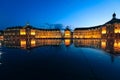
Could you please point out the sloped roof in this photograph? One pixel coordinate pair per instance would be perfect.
(85, 28)
(114, 20)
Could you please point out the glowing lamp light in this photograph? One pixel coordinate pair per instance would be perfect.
(67, 42)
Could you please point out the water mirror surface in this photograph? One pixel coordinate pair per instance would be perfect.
(69, 59)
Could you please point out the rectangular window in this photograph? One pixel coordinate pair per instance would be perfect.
(32, 32)
(104, 30)
(22, 32)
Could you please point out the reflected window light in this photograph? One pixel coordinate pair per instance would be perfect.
(33, 42)
(23, 43)
(103, 44)
(67, 42)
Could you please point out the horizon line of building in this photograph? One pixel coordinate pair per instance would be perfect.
(110, 29)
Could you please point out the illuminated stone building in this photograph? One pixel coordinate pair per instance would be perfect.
(110, 29)
(92, 32)
(48, 34)
(108, 45)
(26, 35)
(67, 33)
(28, 32)
(20, 36)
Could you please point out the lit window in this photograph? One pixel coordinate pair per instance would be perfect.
(32, 32)
(104, 30)
(22, 32)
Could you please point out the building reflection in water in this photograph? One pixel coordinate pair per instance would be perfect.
(103, 44)
(87, 43)
(67, 42)
(0, 52)
(28, 44)
(117, 45)
(0, 57)
(48, 42)
(109, 45)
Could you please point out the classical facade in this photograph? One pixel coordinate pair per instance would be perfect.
(92, 32)
(67, 33)
(111, 29)
(26, 36)
(28, 32)
(48, 34)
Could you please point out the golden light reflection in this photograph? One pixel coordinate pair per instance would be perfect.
(67, 42)
(48, 42)
(33, 43)
(103, 44)
(23, 43)
(117, 45)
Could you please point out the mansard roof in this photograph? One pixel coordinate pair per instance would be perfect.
(28, 26)
(15, 27)
(86, 28)
(112, 21)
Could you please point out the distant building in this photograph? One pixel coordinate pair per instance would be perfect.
(67, 33)
(26, 35)
(111, 29)
(48, 34)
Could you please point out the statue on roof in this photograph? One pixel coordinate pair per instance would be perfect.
(114, 16)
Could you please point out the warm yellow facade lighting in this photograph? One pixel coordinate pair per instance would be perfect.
(32, 32)
(22, 32)
(33, 43)
(23, 43)
(103, 44)
(104, 30)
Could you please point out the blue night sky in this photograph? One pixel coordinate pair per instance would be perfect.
(76, 13)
